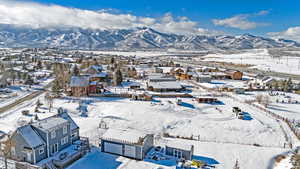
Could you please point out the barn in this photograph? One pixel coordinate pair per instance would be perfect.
(128, 143)
(235, 75)
(180, 150)
(79, 86)
(206, 100)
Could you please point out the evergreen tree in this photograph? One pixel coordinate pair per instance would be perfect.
(236, 166)
(112, 60)
(39, 64)
(76, 71)
(56, 86)
(118, 78)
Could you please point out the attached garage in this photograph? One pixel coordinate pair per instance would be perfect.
(113, 148)
(132, 144)
(130, 151)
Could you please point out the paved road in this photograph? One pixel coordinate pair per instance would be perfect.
(23, 99)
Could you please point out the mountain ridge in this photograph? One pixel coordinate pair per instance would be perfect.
(143, 38)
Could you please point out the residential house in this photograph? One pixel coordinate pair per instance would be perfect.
(129, 143)
(165, 86)
(202, 78)
(261, 82)
(44, 138)
(79, 86)
(206, 100)
(99, 77)
(162, 83)
(94, 69)
(235, 75)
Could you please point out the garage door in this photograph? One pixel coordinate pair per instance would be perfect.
(113, 148)
(129, 151)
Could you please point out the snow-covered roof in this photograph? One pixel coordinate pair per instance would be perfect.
(79, 81)
(131, 83)
(97, 68)
(66, 116)
(166, 69)
(30, 136)
(160, 77)
(166, 85)
(124, 136)
(179, 145)
(50, 123)
(102, 74)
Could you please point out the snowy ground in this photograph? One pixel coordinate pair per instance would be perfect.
(261, 59)
(20, 91)
(282, 107)
(219, 135)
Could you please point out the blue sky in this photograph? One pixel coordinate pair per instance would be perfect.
(260, 17)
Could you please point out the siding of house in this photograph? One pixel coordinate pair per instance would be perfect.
(76, 132)
(41, 156)
(148, 144)
(59, 137)
(185, 154)
(19, 147)
(21, 154)
(140, 150)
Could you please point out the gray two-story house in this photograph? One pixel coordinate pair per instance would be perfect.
(42, 139)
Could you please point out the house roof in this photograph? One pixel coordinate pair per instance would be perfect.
(50, 123)
(102, 74)
(79, 81)
(131, 83)
(66, 116)
(160, 77)
(179, 145)
(166, 85)
(30, 136)
(124, 136)
(97, 68)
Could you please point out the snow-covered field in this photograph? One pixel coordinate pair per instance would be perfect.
(219, 137)
(132, 54)
(261, 59)
(282, 107)
(222, 136)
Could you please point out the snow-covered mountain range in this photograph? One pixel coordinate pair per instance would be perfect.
(139, 38)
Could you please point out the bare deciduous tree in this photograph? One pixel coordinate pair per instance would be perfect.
(259, 98)
(6, 146)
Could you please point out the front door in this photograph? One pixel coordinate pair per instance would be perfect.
(54, 148)
(28, 156)
(177, 153)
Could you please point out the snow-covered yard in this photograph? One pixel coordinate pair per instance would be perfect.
(218, 135)
(261, 59)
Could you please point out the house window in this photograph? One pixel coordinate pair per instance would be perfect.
(74, 135)
(53, 134)
(64, 140)
(41, 150)
(65, 130)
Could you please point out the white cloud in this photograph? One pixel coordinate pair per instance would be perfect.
(241, 21)
(43, 16)
(263, 12)
(292, 33)
(182, 24)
